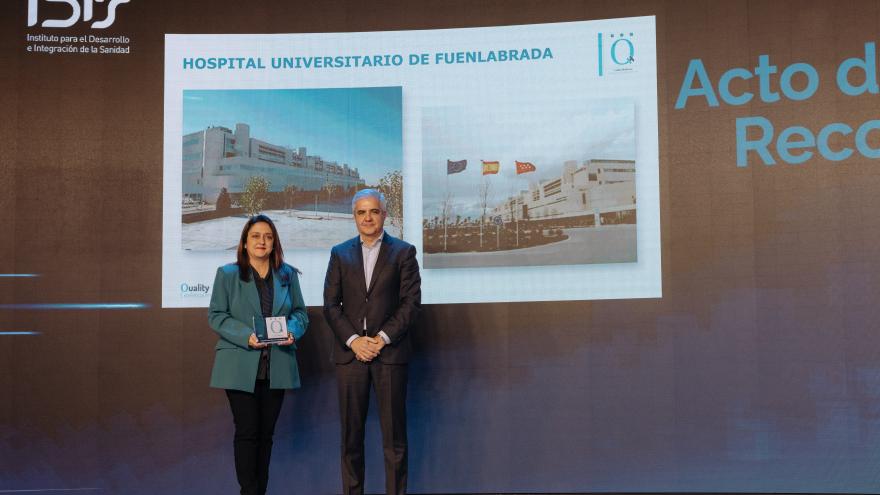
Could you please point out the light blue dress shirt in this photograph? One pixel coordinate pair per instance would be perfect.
(370, 255)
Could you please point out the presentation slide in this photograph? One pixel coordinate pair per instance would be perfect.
(521, 161)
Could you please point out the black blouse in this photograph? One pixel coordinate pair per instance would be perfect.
(266, 290)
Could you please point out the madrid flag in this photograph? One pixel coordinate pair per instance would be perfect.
(524, 167)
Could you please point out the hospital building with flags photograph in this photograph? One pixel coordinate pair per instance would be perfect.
(583, 213)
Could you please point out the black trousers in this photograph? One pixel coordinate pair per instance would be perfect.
(255, 415)
(389, 382)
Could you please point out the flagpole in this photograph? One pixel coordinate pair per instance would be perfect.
(481, 211)
(482, 217)
(526, 167)
(516, 220)
(445, 207)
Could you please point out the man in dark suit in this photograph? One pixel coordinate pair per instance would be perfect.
(372, 296)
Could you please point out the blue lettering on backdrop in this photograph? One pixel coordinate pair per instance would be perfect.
(764, 71)
(785, 143)
(724, 86)
(868, 65)
(825, 135)
(862, 139)
(696, 69)
(812, 81)
(795, 144)
(743, 145)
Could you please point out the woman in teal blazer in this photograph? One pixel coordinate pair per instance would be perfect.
(259, 284)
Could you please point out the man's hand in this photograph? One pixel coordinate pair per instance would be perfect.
(377, 344)
(366, 348)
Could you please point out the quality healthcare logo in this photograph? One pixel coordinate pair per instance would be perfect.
(617, 52)
(198, 289)
(83, 12)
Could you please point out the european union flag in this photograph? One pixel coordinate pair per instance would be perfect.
(455, 167)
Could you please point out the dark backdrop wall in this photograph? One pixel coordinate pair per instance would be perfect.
(756, 371)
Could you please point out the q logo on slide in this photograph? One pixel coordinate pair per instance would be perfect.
(620, 51)
(76, 11)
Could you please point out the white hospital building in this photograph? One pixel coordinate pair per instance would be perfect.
(217, 158)
(596, 187)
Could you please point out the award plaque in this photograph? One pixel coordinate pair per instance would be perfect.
(271, 330)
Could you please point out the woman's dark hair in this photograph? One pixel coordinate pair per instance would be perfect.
(242, 258)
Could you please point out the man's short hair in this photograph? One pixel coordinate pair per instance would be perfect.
(369, 193)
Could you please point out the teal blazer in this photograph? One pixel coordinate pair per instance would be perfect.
(233, 305)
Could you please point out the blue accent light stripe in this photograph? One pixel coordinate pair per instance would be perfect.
(18, 275)
(76, 306)
(18, 333)
(46, 490)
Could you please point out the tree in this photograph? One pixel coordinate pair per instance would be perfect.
(330, 188)
(289, 195)
(255, 193)
(224, 202)
(391, 186)
(484, 192)
(445, 212)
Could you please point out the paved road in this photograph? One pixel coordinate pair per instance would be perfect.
(588, 245)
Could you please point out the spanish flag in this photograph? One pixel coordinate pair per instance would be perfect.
(490, 167)
(524, 167)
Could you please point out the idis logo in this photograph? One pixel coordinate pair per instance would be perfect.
(77, 11)
(194, 290)
(617, 52)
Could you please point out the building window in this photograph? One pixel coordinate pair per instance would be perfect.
(554, 187)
